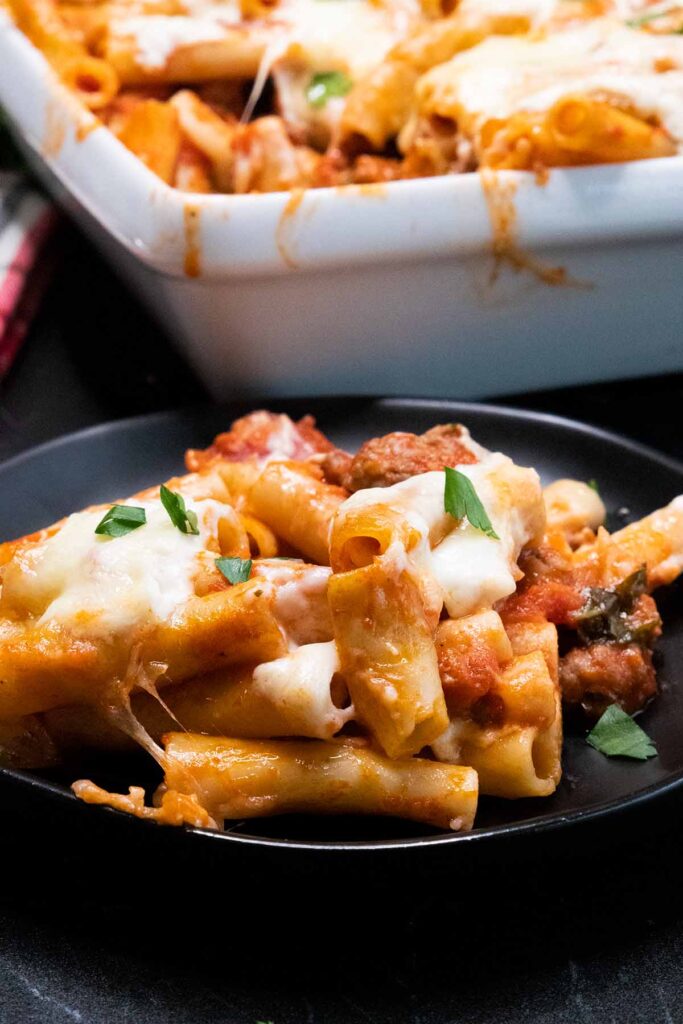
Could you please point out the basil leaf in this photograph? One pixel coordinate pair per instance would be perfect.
(460, 500)
(120, 520)
(604, 616)
(644, 634)
(632, 587)
(593, 484)
(617, 735)
(325, 85)
(235, 570)
(184, 520)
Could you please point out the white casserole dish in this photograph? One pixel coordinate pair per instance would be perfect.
(374, 289)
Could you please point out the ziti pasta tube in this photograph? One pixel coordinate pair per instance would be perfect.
(246, 779)
(94, 81)
(47, 666)
(655, 542)
(573, 508)
(519, 753)
(299, 694)
(298, 505)
(387, 656)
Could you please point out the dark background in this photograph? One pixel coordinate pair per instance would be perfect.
(117, 926)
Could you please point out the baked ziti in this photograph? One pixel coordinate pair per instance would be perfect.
(239, 96)
(292, 628)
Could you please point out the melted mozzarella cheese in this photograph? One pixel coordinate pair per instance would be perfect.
(300, 603)
(157, 36)
(300, 684)
(282, 442)
(111, 584)
(475, 570)
(507, 74)
(470, 569)
(218, 10)
(291, 84)
(419, 499)
(537, 12)
(345, 35)
(448, 747)
(351, 36)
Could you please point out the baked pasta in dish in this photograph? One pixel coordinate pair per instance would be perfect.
(292, 628)
(241, 96)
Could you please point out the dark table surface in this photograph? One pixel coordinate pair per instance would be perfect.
(567, 930)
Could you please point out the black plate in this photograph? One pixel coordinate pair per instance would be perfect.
(120, 458)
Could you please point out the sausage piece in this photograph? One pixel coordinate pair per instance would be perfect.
(383, 461)
(595, 677)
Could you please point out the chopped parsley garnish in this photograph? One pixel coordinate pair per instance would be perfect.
(182, 518)
(120, 520)
(460, 500)
(235, 570)
(605, 614)
(615, 734)
(326, 85)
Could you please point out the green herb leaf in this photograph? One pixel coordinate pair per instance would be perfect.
(617, 735)
(185, 520)
(631, 588)
(593, 484)
(121, 519)
(651, 16)
(460, 500)
(325, 85)
(604, 617)
(235, 570)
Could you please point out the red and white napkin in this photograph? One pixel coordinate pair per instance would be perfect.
(27, 220)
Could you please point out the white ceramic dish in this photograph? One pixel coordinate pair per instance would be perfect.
(372, 289)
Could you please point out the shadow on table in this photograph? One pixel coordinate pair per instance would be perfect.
(574, 925)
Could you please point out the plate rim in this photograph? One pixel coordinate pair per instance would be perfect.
(493, 408)
(510, 830)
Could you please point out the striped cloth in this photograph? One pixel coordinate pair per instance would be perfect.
(27, 220)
